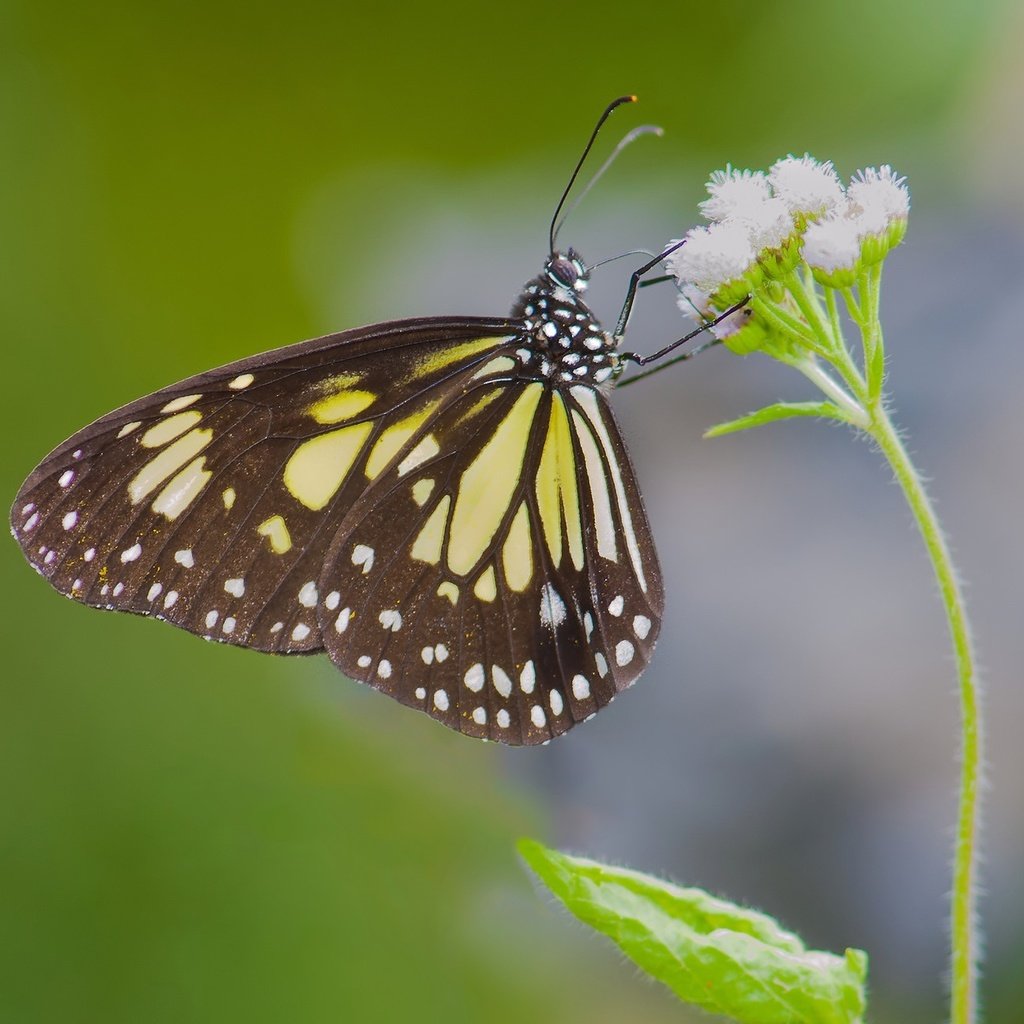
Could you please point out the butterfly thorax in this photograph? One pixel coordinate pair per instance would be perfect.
(564, 341)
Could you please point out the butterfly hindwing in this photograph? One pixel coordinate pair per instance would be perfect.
(502, 579)
(212, 503)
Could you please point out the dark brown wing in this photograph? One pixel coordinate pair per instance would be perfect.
(501, 577)
(213, 503)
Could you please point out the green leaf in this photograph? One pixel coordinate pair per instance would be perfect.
(711, 953)
(779, 411)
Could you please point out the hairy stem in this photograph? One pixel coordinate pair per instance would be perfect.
(964, 938)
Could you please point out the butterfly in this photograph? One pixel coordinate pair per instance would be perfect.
(444, 505)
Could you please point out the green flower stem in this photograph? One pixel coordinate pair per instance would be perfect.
(817, 375)
(964, 940)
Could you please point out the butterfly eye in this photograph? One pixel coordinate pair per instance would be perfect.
(564, 271)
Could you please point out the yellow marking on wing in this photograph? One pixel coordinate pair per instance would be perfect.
(170, 428)
(128, 428)
(588, 400)
(427, 546)
(228, 497)
(486, 586)
(452, 354)
(487, 486)
(449, 590)
(182, 402)
(275, 529)
(500, 364)
(339, 382)
(342, 406)
(479, 405)
(603, 521)
(421, 490)
(182, 489)
(516, 553)
(547, 487)
(318, 467)
(557, 491)
(169, 461)
(426, 449)
(394, 438)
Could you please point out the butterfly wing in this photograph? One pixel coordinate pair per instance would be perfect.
(213, 503)
(500, 575)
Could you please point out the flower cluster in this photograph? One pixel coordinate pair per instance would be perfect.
(762, 225)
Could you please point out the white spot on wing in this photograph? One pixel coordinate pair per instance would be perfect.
(474, 677)
(616, 605)
(580, 687)
(501, 681)
(503, 719)
(211, 618)
(441, 700)
(427, 654)
(641, 626)
(624, 652)
(391, 619)
(527, 678)
(557, 704)
(341, 622)
(480, 716)
(184, 557)
(66, 477)
(384, 669)
(235, 587)
(89, 555)
(170, 599)
(552, 607)
(300, 632)
(228, 625)
(69, 520)
(602, 665)
(308, 595)
(363, 555)
(440, 652)
(154, 591)
(243, 380)
(420, 693)
(332, 600)
(538, 717)
(132, 553)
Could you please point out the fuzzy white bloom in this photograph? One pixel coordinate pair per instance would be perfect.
(768, 223)
(881, 196)
(805, 185)
(712, 256)
(733, 192)
(695, 304)
(833, 243)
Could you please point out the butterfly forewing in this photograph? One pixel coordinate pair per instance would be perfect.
(212, 503)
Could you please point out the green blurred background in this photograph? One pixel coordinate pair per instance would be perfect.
(196, 833)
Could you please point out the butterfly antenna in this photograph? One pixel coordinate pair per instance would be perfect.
(572, 180)
(644, 129)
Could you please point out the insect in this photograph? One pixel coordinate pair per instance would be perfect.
(444, 505)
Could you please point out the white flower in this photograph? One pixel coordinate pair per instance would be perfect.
(806, 186)
(695, 304)
(881, 197)
(712, 256)
(833, 243)
(732, 192)
(768, 223)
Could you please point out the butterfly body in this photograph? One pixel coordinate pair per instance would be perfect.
(443, 505)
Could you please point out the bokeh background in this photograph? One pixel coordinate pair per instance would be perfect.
(197, 833)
